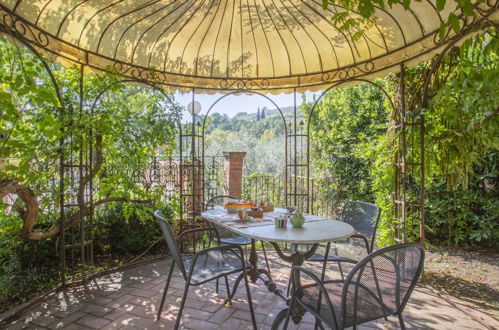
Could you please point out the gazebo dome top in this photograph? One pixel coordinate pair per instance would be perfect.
(228, 45)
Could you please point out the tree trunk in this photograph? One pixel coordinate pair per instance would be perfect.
(30, 213)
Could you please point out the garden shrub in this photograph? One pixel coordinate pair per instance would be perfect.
(344, 129)
(27, 268)
(125, 229)
(465, 216)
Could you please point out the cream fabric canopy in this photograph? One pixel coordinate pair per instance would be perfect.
(271, 45)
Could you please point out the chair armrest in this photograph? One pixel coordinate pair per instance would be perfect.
(208, 229)
(364, 239)
(221, 248)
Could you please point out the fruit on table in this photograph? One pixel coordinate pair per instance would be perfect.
(239, 205)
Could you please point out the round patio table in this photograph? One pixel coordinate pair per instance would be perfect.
(315, 230)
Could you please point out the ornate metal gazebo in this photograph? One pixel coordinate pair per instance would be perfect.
(262, 46)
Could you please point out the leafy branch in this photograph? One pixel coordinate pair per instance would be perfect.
(358, 15)
(473, 127)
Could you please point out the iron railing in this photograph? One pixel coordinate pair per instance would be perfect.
(323, 199)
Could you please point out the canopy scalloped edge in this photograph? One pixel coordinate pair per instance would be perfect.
(57, 49)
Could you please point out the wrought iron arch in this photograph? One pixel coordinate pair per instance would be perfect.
(387, 95)
(340, 83)
(139, 81)
(174, 167)
(203, 126)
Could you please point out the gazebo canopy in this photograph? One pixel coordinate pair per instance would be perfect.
(231, 45)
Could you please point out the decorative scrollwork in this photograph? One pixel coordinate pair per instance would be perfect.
(139, 73)
(329, 76)
(491, 3)
(244, 84)
(118, 67)
(23, 30)
(132, 71)
(348, 73)
(213, 177)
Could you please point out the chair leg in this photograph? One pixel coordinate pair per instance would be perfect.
(182, 303)
(324, 262)
(318, 325)
(228, 289)
(401, 321)
(236, 285)
(341, 271)
(216, 286)
(265, 255)
(323, 275)
(339, 263)
(288, 315)
(165, 290)
(250, 301)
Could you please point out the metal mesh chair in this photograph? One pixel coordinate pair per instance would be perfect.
(378, 286)
(204, 266)
(227, 237)
(364, 218)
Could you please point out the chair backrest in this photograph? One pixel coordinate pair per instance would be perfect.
(210, 205)
(171, 242)
(363, 217)
(216, 201)
(381, 283)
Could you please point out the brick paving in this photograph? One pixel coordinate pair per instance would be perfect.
(128, 300)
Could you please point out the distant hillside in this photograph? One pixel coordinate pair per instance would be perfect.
(287, 111)
(248, 122)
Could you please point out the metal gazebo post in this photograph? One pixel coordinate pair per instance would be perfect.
(194, 108)
(193, 154)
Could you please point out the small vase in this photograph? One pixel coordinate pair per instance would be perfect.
(297, 219)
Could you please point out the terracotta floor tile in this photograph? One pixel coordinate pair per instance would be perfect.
(93, 322)
(221, 315)
(67, 320)
(129, 299)
(44, 320)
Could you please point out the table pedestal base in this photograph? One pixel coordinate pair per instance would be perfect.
(295, 258)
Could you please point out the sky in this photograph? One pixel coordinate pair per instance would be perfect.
(233, 104)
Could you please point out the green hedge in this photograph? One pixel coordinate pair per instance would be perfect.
(465, 216)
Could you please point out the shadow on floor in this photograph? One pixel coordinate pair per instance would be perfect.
(129, 299)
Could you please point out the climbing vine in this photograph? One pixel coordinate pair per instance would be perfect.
(354, 141)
